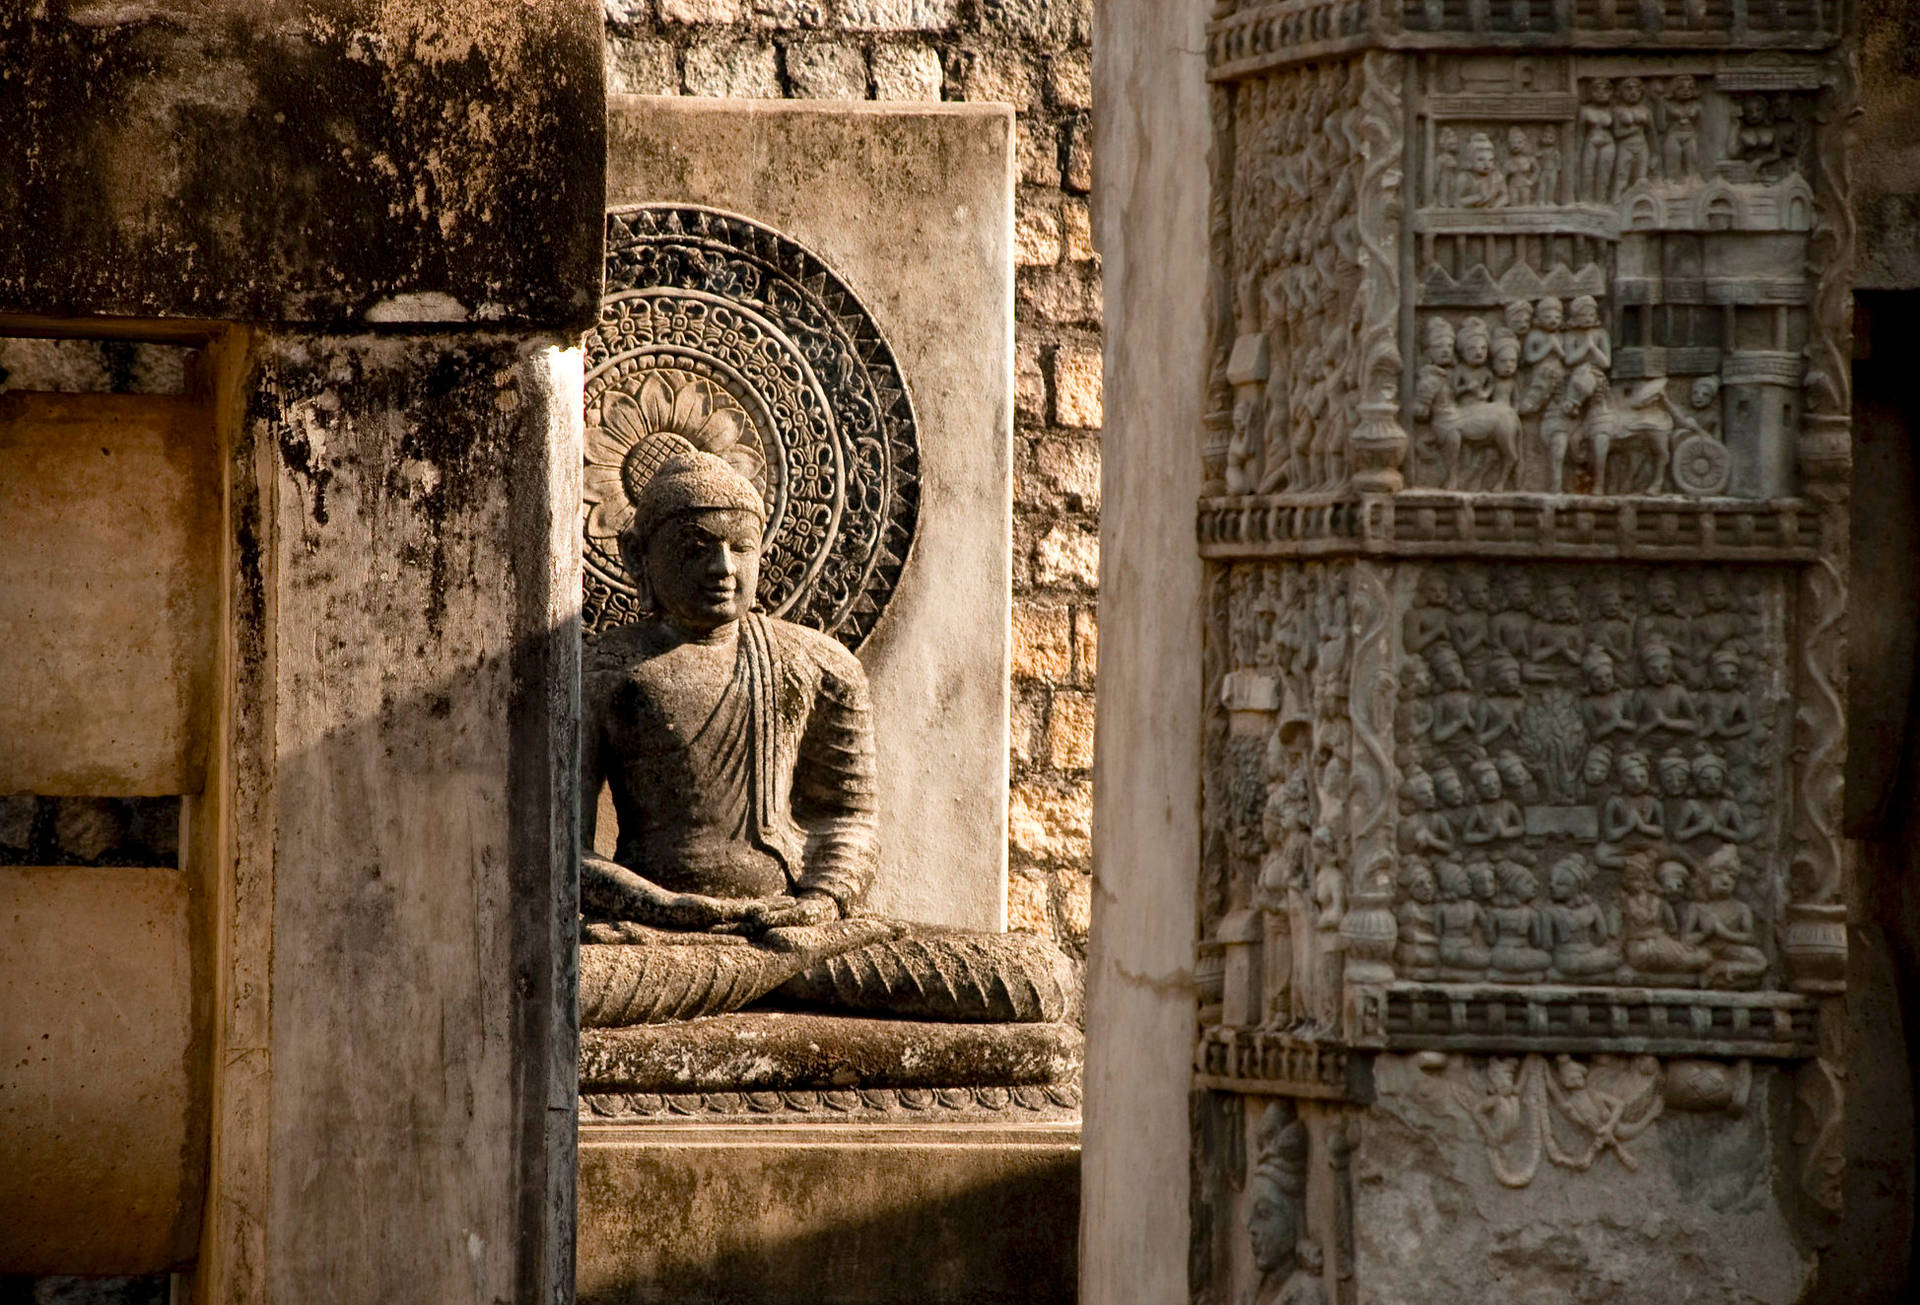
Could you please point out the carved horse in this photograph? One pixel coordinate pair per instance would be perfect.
(1477, 423)
(1642, 416)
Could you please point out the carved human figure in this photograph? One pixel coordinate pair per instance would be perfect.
(1416, 950)
(1680, 146)
(1472, 377)
(1519, 781)
(1416, 690)
(1273, 1193)
(1523, 169)
(1544, 351)
(1718, 622)
(1663, 623)
(1446, 166)
(1588, 350)
(1452, 791)
(1663, 703)
(1511, 629)
(1549, 190)
(1506, 369)
(1607, 709)
(1597, 147)
(1481, 183)
(1434, 382)
(738, 752)
(1675, 775)
(1425, 830)
(1330, 908)
(1632, 125)
(1579, 929)
(1520, 938)
(1612, 626)
(1462, 925)
(1711, 810)
(1786, 133)
(1243, 447)
(1559, 640)
(1754, 141)
(1724, 925)
(1596, 770)
(1650, 928)
(1634, 812)
(1427, 620)
(1284, 827)
(1496, 716)
(1725, 710)
(1453, 706)
(1496, 817)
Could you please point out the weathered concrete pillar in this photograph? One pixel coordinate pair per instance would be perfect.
(1521, 401)
(379, 232)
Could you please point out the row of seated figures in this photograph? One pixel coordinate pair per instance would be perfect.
(724, 948)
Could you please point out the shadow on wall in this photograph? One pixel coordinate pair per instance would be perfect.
(778, 1224)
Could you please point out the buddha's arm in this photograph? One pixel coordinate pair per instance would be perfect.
(834, 790)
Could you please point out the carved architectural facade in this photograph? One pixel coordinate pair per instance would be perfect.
(1526, 529)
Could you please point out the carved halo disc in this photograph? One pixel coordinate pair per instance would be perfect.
(719, 333)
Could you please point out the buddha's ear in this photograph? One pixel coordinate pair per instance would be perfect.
(635, 560)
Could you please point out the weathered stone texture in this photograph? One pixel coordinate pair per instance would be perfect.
(1034, 55)
(181, 156)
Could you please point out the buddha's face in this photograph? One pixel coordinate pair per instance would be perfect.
(704, 567)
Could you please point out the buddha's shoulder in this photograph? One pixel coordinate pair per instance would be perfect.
(821, 651)
(619, 650)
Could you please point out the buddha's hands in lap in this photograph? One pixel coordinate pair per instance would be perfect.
(611, 890)
(783, 912)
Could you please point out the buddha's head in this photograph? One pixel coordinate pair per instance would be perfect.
(693, 548)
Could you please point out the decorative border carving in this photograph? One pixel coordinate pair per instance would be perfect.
(1535, 526)
(1052, 1102)
(1257, 1061)
(1261, 38)
(1631, 1021)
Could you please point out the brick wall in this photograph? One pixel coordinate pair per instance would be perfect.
(1034, 55)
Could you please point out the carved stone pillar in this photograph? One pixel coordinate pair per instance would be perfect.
(1522, 891)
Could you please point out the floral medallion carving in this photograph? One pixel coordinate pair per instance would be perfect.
(721, 334)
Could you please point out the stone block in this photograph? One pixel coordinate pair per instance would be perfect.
(1077, 386)
(102, 1106)
(1077, 223)
(1030, 393)
(1076, 905)
(1070, 79)
(1042, 642)
(702, 12)
(1086, 644)
(1036, 233)
(906, 72)
(1061, 296)
(1038, 151)
(108, 581)
(642, 67)
(812, 1214)
(1027, 905)
(1067, 555)
(1070, 731)
(1050, 823)
(1046, 22)
(1071, 470)
(826, 70)
(913, 209)
(1079, 176)
(739, 70)
(899, 15)
(789, 14)
(1003, 76)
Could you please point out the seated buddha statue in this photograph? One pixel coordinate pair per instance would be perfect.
(738, 753)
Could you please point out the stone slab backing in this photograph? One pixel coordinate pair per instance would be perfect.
(810, 1215)
(96, 1096)
(912, 207)
(108, 573)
